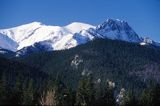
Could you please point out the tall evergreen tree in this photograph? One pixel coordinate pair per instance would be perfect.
(131, 99)
(107, 98)
(67, 97)
(85, 92)
(28, 93)
(151, 96)
(156, 95)
(17, 93)
(3, 93)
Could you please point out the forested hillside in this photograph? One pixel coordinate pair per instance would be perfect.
(127, 64)
(101, 72)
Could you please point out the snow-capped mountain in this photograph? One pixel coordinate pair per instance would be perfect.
(37, 36)
(29, 34)
(117, 29)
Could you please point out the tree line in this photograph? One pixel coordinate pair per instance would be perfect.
(87, 93)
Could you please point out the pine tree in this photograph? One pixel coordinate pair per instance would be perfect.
(145, 99)
(67, 97)
(3, 93)
(109, 94)
(107, 98)
(85, 92)
(151, 96)
(156, 95)
(131, 99)
(28, 93)
(17, 94)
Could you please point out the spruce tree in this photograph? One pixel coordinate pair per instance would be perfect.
(16, 94)
(131, 99)
(151, 96)
(28, 93)
(156, 95)
(3, 93)
(107, 98)
(67, 97)
(145, 98)
(85, 92)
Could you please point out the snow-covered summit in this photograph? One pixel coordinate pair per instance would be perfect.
(37, 35)
(76, 27)
(21, 32)
(29, 34)
(117, 29)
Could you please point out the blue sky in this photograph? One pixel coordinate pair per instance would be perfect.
(142, 15)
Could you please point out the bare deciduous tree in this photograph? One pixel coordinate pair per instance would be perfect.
(49, 98)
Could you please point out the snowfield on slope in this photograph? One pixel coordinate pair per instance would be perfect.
(65, 37)
(29, 34)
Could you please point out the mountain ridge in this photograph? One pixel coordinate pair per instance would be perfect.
(65, 37)
(27, 35)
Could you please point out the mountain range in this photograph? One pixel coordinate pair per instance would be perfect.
(35, 36)
(35, 58)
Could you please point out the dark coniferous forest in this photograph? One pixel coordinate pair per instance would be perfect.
(101, 72)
